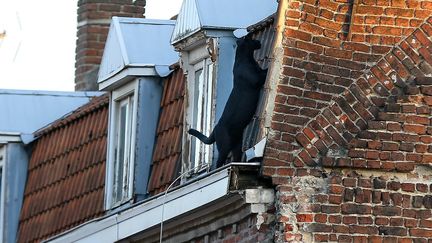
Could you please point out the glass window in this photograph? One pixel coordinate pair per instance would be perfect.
(122, 150)
(2, 191)
(202, 113)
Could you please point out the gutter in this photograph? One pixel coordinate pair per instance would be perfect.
(147, 214)
(7, 137)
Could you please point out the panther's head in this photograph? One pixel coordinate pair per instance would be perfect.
(247, 43)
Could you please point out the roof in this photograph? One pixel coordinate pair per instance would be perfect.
(141, 44)
(167, 152)
(23, 112)
(219, 14)
(66, 173)
(408, 120)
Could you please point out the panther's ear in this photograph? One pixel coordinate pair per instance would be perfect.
(248, 37)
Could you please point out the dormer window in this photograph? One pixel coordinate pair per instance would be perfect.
(137, 56)
(124, 120)
(207, 46)
(202, 110)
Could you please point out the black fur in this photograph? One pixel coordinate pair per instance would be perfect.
(241, 105)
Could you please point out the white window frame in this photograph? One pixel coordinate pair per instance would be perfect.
(2, 187)
(127, 94)
(202, 104)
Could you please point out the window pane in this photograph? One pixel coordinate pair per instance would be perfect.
(1, 188)
(122, 150)
(197, 113)
(207, 114)
(197, 98)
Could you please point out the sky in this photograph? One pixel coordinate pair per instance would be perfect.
(38, 52)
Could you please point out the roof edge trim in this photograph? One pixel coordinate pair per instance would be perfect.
(116, 23)
(122, 225)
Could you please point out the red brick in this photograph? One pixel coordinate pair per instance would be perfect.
(284, 171)
(298, 34)
(410, 52)
(294, 52)
(293, 13)
(427, 28)
(421, 187)
(398, 231)
(418, 129)
(381, 221)
(400, 12)
(349, 208)
(410, 223)
(349, 220)
(309, 47)
(386, 211)
(426, 5)
(321, 237)
(311, 28)
(334, 219)
(368, 230)
(421, 233)
(369, 10)
(425, 223)
(320, 218)
(408, 187)
(328, 24)
(317, 227)
(396, 221)
(334, 199)
(304, 217)
(326, 41)
(365, 220)
(346, 54)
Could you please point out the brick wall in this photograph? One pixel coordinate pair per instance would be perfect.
(227, 220)
(94, 17)
(243, 231)
(349, 136)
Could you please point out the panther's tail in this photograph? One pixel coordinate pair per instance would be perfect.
(207, 140)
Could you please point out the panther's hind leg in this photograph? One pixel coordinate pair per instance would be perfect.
(224, 144)
(237, 151)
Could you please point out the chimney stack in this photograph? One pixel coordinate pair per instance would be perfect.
(94, 18)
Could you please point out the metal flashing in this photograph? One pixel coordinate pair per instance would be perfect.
(196, 15)
(136, 43)
(127, 74)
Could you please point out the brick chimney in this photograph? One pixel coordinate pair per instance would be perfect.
(94, 17)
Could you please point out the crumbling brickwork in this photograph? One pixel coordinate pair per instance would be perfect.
(349, 140)
(94, 18)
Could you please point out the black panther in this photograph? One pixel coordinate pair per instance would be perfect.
(241, 105)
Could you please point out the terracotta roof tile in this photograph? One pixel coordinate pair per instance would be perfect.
(66, 175)
(169, 134)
